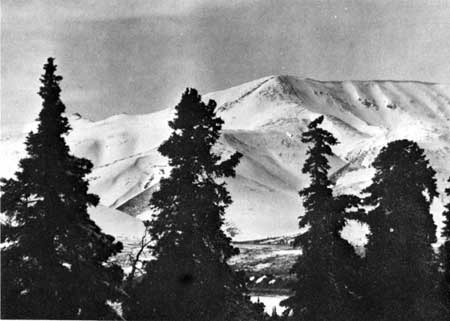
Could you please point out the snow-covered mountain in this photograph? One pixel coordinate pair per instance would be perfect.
(264, 120)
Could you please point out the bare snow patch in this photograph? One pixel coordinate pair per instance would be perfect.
(261, 266)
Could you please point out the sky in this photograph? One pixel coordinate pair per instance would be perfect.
(137, 56)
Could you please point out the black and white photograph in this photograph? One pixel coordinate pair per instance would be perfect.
(225, 160)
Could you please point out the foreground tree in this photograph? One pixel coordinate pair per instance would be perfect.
(327, 269)
(445, 256)
(190, 278)
(54, 259)
(401, 269)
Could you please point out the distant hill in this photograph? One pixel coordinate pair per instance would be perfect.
(264, 120)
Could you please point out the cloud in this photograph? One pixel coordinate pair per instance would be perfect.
(138, 56)
(43, 11)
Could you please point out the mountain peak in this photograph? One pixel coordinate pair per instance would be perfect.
(264, 120)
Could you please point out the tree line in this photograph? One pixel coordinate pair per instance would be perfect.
(56, 263)
(400, 277)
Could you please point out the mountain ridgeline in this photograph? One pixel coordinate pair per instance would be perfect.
(264, 120)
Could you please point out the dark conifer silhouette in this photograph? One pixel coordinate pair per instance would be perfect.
(401, 268)
(190, 278)
(445, 256)
(327, 268)
(55, 263)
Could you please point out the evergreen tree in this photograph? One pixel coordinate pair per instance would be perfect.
(190, 278)
(445, 256)
(54, 257)
(401, 268)
(327, 268)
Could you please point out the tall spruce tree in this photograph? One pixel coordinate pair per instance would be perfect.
(190, 278)
(445, 256)
(54, 259)
(401, 268)
(327, 269)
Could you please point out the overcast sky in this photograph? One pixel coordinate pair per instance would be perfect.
(138, 56)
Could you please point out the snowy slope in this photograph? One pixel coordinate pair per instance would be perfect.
(264, 120)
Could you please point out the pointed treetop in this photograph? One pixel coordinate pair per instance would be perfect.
(316, 122)
(50, 79)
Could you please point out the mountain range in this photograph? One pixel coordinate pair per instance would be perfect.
(264, 120)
